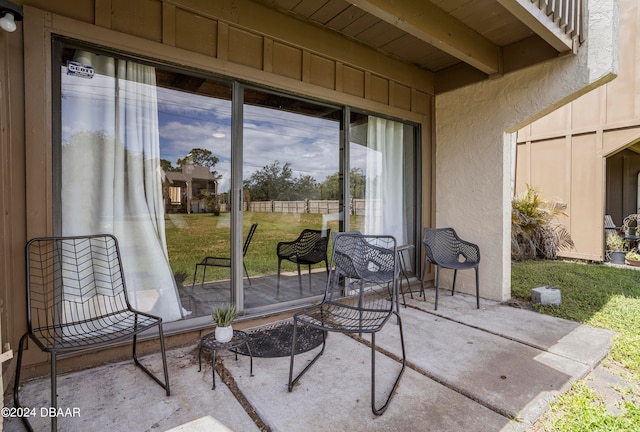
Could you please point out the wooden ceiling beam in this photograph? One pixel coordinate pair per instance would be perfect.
(433, 25)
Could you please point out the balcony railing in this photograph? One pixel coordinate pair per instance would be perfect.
(567, 14)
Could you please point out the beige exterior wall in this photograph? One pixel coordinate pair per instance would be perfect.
(583, 153)
(239, 39)
(475, 146)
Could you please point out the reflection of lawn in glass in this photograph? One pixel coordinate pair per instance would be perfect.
(192, 237)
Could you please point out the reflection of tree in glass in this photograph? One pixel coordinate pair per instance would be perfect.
(276, 182)
(197, 157)
(330, 189)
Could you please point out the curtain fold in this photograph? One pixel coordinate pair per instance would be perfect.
(385, 208)
(111, 177)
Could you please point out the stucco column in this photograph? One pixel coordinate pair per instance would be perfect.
(475, 147)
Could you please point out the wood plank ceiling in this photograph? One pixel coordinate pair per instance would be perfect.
(459, 41)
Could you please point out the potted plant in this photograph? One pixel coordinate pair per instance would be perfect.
(223, 316)
(633, 258)
(616, 248)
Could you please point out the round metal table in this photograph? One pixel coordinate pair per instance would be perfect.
(209, 342)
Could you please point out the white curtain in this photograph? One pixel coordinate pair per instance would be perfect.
(111, 178)
(385, 212)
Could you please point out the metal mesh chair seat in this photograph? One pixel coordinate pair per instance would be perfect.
(77, 299)
(215, 261)
(359, 298)
(445, 249)
(225, 262)
(309, 248)
(345, 318)
(101, 330)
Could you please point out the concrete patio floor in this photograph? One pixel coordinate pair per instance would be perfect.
(492, 369)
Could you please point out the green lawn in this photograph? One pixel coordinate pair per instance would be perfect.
(599, 296)
(191, 237)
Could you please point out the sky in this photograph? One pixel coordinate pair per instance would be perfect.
(186, 121)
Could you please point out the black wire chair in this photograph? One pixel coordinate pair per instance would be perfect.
(211, 261)
(359, 298)
(77, 299)
(445, 249)
(309, 248)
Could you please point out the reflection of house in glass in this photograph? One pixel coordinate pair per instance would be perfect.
(191, 190)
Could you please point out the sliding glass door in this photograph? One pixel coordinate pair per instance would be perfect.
(291, 153)
(383, 180)
(217, 191)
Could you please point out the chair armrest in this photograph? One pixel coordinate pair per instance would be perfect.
(470, 251)
(286, 249)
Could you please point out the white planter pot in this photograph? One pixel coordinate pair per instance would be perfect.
(224, 334)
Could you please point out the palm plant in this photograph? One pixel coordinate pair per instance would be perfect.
(534, 231)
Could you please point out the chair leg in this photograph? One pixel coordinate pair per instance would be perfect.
(424, 274)
(278, 285)
(165, 384)
(477, 290)
(246, 272)
(299, 278)
(309, 277)
(437, 285)
(195, 275)
(292, 380)
(383, 408)
(453, 287)
(16, 382)
(54, 391)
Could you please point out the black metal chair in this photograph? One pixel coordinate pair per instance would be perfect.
(445, 249)
(309, 248)
(359, 298)
(224, 261)
(77, 299)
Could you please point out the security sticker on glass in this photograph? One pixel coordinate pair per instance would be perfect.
(79, 70)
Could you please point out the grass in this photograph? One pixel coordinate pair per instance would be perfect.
(600, 296)
(191, 237)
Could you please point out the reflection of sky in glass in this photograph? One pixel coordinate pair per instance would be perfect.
(187, 121)
(190, 121)
(85, 103)
(309, 144)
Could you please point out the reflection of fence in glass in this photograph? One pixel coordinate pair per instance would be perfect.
(358, 206)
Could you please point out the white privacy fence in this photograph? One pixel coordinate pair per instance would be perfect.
(357, 207)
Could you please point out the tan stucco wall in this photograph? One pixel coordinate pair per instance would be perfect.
(587, 136)
(475, 151)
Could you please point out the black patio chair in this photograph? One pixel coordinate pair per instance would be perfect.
(224, 261)
(76, 300)
(309, 248)
(359, 298)
(445, 249)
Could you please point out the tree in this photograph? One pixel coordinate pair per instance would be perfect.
(272, 182)
(167, 166)
(199, 157)
(330, 187)
(305, 187)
